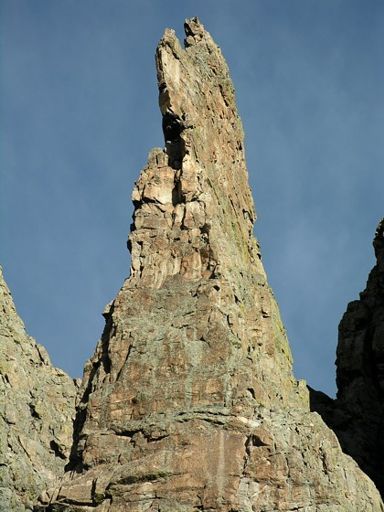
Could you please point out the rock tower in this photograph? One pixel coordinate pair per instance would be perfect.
(189, 403)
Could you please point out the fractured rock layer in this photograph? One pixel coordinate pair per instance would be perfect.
(357, 415)
(189, 402)
(37, 406)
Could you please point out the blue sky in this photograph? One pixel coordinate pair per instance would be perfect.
(78, 115)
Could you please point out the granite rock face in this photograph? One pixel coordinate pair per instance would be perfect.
(189, 403)
(357, 415)
(37, 406)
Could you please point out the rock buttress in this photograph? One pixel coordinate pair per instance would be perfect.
(37, 407)
(189, 402)
(357, 415)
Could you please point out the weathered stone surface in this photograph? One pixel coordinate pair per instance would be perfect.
(37, 405)
(357, 415)
(189, 402)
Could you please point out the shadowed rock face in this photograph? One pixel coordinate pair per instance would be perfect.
(357, 415)
(189, 403)
(37, 406)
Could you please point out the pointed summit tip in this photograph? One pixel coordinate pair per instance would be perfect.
(194, 31)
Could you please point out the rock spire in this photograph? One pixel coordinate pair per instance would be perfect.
(189, 403)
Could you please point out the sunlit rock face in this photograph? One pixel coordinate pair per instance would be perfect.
(189, 403)
(37, 406)
(357, 415)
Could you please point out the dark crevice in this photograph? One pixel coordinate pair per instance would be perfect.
(75, 461)
(106, 336)
(108, 333)
(176, 152)
(251, 391)
(253, 441)
(33, 411)
(173, 126)
(57, 450)
(140, 479)
(125, 362)
(126, 433)
(146, 435)
(177, 196)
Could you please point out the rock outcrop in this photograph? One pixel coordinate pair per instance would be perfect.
(357, 415)
(189, 402)
(37, 406)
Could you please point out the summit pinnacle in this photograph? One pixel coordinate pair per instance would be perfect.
(189, 403)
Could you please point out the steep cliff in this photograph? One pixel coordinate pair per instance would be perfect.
(189, 402)
(357, 415)
(37, 405)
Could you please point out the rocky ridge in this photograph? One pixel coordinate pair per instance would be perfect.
(189, 402)
(37, 406)
(357, 415)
